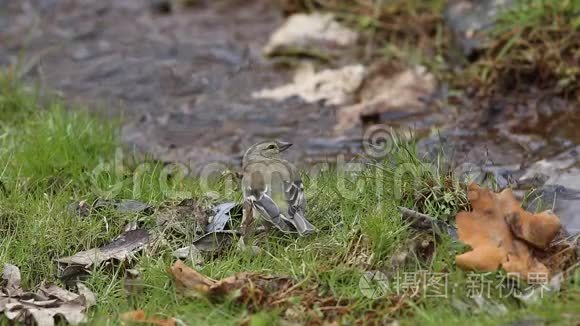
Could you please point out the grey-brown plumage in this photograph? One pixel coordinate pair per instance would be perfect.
(274, 189)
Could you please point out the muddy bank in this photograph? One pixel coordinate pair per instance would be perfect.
(183, 81)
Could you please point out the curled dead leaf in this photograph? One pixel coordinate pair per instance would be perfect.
(190, 281)
(502, 234)
(258, 292)
(536, 229)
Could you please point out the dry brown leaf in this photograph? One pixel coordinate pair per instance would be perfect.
(52, 290)
(11, 279)
(258, 292)
(42, 307)
(189, 281)
(501, 233)
(536, 229)
(139, 317)
(192, 283)
(120, 249)
(123, 248)
(88, 297)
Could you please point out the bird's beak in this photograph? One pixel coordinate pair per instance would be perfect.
(283, 145)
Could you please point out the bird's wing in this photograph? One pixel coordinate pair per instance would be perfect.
(257, 193)
(296, 200)
(271, 212)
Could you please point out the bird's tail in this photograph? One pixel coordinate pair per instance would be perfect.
(300, 223)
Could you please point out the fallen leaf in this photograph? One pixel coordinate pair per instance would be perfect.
(139, 317)
(12, 278)
(189, 281)
(565, 202)
(223, 215)
(51, 290)
(89, 298)
(536, 229)
(258, 292)
(192, 283)
(123, 248)
(22, 311)
(120, 249)
(309, 32)
(333, 86)
(502, 234)
(84, 297)
(42, 307)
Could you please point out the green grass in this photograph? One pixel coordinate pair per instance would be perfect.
(534, 43)
(48, 156)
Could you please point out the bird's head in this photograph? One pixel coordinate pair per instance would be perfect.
(265, 150)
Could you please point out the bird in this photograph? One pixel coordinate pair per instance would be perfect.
(273, 190)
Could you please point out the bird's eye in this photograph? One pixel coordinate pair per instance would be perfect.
(271, 147)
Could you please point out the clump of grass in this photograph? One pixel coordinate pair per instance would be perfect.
(56, 146)
(385, 230)
(535, 43)
(428, 187)
(15, 102)
(48, 146)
